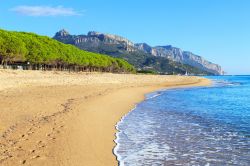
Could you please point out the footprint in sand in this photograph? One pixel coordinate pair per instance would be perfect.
(52, 138)
(17, 148)
(35, 157)
(32, 151)
(23, 161)
(12, 143)
(29, 132)
(49, 134)
(42, 146)
(39, 142)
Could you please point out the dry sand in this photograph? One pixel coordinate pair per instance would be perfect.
(68, 119)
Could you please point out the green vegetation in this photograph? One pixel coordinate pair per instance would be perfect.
(160, 65)
(141, 60)
(147, 72)
(41, 52)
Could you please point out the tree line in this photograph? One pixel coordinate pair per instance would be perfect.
(41, 52)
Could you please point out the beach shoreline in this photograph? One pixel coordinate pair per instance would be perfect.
(118, 157)
(60, 118)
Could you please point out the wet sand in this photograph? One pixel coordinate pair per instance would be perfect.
(60, 118)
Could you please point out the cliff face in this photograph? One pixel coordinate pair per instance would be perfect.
(185, 57)
(116, 45)
(95, 39)
(144, 47)
(62, 33)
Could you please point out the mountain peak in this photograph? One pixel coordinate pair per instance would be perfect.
(94, 33)
(111, 38)
(62, 33)
(119, 46)
(144, 47)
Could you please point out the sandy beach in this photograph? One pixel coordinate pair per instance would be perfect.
(68, 119)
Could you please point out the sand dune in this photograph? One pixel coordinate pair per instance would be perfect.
(60, 118)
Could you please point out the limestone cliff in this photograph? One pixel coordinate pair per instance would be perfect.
(115, 45)
(185, 57)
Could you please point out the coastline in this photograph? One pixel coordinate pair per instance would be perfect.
(205, 83)
(71, 119)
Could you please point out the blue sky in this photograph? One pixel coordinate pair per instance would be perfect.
(218, 30)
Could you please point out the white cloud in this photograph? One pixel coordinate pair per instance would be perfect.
(45, 11)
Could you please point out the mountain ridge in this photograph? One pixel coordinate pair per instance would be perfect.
(115, 45)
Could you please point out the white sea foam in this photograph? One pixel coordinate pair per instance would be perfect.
(218, 82)
(119, 157)
(117, 134)
(185, 130)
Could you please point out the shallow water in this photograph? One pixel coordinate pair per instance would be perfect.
(189, 126)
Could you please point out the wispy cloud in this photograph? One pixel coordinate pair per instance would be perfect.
(45, 11)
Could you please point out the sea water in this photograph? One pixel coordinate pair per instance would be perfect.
(189, 126)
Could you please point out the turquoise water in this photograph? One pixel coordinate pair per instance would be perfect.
(189, 126)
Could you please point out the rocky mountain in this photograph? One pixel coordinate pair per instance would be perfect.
(95, 39)
(185, 57)
(163, 59)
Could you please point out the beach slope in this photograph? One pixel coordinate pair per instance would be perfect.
(68, 119)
